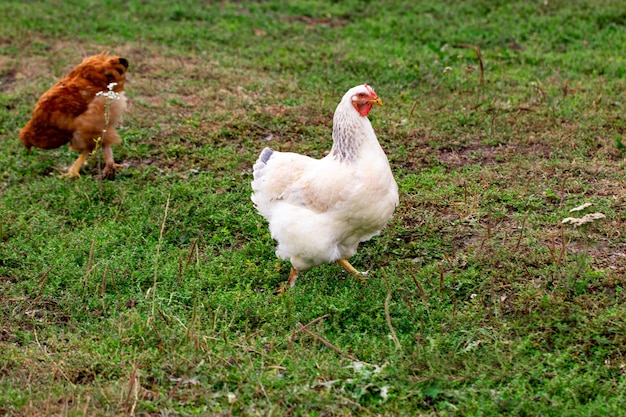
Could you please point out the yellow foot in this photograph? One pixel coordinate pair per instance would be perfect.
(70, 174)
(73, 171)
(282, 289)
(293, 274)
(352, 270)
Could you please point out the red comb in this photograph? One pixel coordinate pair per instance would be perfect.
(369, 89)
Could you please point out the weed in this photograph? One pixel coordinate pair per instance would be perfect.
(153, 294)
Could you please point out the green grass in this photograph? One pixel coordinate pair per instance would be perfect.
(154, 294)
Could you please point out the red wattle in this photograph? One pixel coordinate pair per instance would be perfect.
(365, 109)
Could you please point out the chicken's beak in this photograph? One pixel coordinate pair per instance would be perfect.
(376, 101)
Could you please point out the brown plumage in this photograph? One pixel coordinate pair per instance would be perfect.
(73, 111)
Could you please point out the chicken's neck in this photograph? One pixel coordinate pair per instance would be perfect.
(350, 135)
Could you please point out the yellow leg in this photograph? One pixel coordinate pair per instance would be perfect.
(75, 168)
(293, 274)
(348, 267)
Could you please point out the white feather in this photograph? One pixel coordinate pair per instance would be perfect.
(319, 210)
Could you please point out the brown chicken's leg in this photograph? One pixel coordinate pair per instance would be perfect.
(75, 168)
(348, 267)
(110, 167)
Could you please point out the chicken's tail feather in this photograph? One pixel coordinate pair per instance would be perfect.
(260, 164)
(266, 154)
(259, 196)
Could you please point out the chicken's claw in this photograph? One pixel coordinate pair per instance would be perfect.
(70, 174)
(363, 277)
(73, 172)
(109, 171)
(282, 289)
(293, 275)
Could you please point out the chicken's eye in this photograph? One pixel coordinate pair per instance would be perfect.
(361, 94)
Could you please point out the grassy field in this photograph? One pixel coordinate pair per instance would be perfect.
(153, 294)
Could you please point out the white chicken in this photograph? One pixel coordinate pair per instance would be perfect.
(319, 210)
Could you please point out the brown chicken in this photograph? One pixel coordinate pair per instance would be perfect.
(84, 108)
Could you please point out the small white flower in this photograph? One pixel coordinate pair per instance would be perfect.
(447, 69)
(111, 95)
